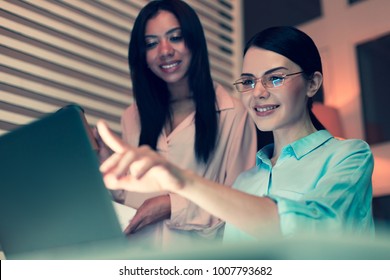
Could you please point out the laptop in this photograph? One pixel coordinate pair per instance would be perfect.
(53, 201)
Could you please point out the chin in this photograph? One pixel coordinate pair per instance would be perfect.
(263, 128)
(172, 80)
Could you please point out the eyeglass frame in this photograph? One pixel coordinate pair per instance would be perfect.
(264, 83)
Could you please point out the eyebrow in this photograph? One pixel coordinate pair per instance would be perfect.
(170, 31)
(266, 72)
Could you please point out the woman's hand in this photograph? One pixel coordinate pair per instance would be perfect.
(137, 169)
(151, 211)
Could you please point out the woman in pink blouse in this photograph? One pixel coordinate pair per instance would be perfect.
(182, 114)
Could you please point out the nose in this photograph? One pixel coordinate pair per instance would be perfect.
(260, 91)
(166, 49)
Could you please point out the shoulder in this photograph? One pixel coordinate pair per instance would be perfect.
(350, 148)
(350, 145)
(130, 115)
(130, 111)
(131, 125)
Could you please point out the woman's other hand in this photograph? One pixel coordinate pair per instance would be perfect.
(103, 151)
(151, 211)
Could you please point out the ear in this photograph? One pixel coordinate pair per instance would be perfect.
(314, 84)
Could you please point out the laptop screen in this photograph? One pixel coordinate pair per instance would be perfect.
(51, 192)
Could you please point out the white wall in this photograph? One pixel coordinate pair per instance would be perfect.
(336, 34)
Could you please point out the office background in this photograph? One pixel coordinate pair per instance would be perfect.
(56, 52)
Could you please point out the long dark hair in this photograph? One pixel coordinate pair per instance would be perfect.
(151, 93)
(296, 46)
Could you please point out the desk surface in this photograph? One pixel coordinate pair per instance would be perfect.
(300, 248)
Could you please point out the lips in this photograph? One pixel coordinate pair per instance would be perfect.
(263, 109)
(168, 67)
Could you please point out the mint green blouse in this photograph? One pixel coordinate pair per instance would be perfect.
(320, 184)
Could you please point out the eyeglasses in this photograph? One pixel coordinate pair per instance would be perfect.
(272, 80)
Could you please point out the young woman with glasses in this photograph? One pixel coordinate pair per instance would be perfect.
(307, 181)
(187, 118)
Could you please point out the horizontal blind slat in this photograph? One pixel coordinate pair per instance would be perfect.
(59, 94)
(89, 7)
(66, 30)
(82, 19)
(116, 62)
(61, 78)
(64, 61)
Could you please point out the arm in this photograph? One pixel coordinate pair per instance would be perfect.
(150, 172)
(253, 214)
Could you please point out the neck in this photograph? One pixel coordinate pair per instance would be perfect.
(284, 137)
(179, 90)
(175, 100)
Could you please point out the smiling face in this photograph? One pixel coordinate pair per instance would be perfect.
(281, 108)
(166, 53)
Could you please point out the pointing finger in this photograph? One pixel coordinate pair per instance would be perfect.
(109, 138)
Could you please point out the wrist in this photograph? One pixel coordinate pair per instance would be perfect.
(189, 180)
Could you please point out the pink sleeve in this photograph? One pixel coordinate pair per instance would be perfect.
(242, 153)
(186, 215)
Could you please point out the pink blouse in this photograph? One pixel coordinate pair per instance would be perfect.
(234, 152)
